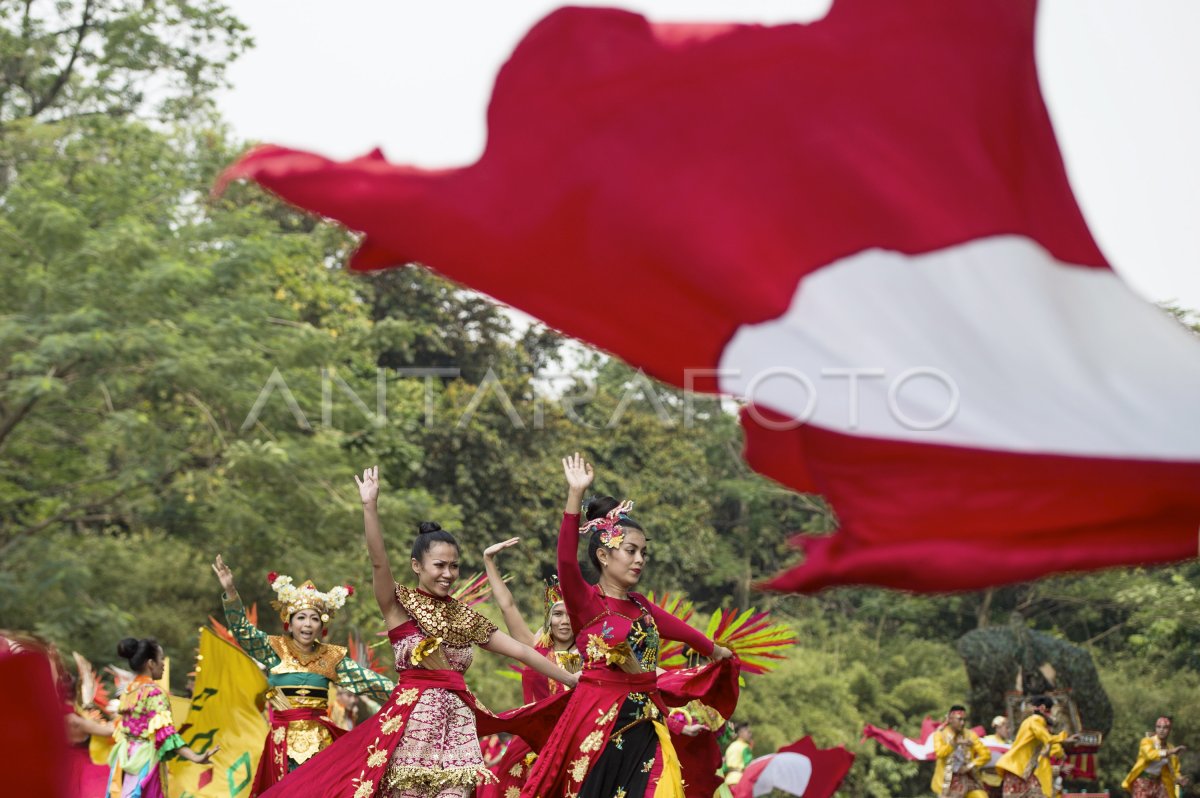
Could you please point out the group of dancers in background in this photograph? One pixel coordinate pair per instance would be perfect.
(601, 718)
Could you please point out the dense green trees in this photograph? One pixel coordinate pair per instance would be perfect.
(184, 376)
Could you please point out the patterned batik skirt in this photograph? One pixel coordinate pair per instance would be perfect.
(1017, 787)
(1146, 787)
(440, 750)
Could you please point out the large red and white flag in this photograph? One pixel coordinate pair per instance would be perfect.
(864, 227)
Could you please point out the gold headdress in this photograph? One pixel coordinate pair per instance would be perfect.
(553, 595)
(291, 598)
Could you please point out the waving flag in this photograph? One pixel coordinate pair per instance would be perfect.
(919, 749)
(800, 769)
(864, 227)
(224, 711)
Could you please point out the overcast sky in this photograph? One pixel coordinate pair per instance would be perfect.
(1121, 78)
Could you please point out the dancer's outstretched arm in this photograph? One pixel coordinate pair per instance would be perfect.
(503, 596)
(502, 644)
(252, 639)
(381, 570)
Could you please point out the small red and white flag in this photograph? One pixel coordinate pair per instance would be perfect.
(863, 226)
(919, 749)
(800, 769)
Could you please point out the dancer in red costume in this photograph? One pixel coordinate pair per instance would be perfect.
(611, 739)
(555, 641)
(424, 741)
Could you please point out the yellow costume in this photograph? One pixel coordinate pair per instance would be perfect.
(1152, 756)
(966, 754)
(990, 777)
(1030, 754)
(737, 756)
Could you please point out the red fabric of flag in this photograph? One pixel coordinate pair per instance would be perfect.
(864, 227)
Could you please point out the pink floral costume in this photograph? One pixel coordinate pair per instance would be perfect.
(144, 737)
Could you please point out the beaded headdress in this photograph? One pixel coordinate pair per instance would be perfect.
(611, 534)
(291, 598)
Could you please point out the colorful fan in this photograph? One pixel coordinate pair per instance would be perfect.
(672, 655)
(364, 654)
(475, 590)
(757, 642)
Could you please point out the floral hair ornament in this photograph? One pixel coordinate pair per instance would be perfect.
(611, 534)
(291, 598)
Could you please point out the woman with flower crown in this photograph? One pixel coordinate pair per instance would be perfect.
(555, 640)
(301, 670)
(611, 740)
(424, 741)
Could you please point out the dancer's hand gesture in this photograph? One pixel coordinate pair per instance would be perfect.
(224, 576)
(491, 551)
(368, 486)
(578, 472)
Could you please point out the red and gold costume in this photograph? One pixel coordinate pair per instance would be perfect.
(518, 759)
(611, 738)
(424, 741)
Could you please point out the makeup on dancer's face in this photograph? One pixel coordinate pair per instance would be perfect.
(560, 624)
(305, 626)
(629, 559)
(438, 570)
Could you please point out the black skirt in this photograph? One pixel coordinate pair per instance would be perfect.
(628, 757)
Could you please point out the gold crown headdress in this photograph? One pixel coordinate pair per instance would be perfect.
(551, 596)
(291, 598)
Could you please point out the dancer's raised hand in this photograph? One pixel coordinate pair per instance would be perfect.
(368, 486)
(224, 576)
(491, 551)
(578, 472)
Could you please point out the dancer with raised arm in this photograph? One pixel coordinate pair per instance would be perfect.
(424, 742)
(611, 739)
(555, 640)
(301, 670)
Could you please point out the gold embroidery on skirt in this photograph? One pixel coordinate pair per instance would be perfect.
(399, 778)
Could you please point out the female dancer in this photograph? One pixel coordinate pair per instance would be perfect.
(145, 732)
(425, 740)
(555, 641)
(301, 670)
(611, 739)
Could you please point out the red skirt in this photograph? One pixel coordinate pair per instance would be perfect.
(586, 723)
(355, 765)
